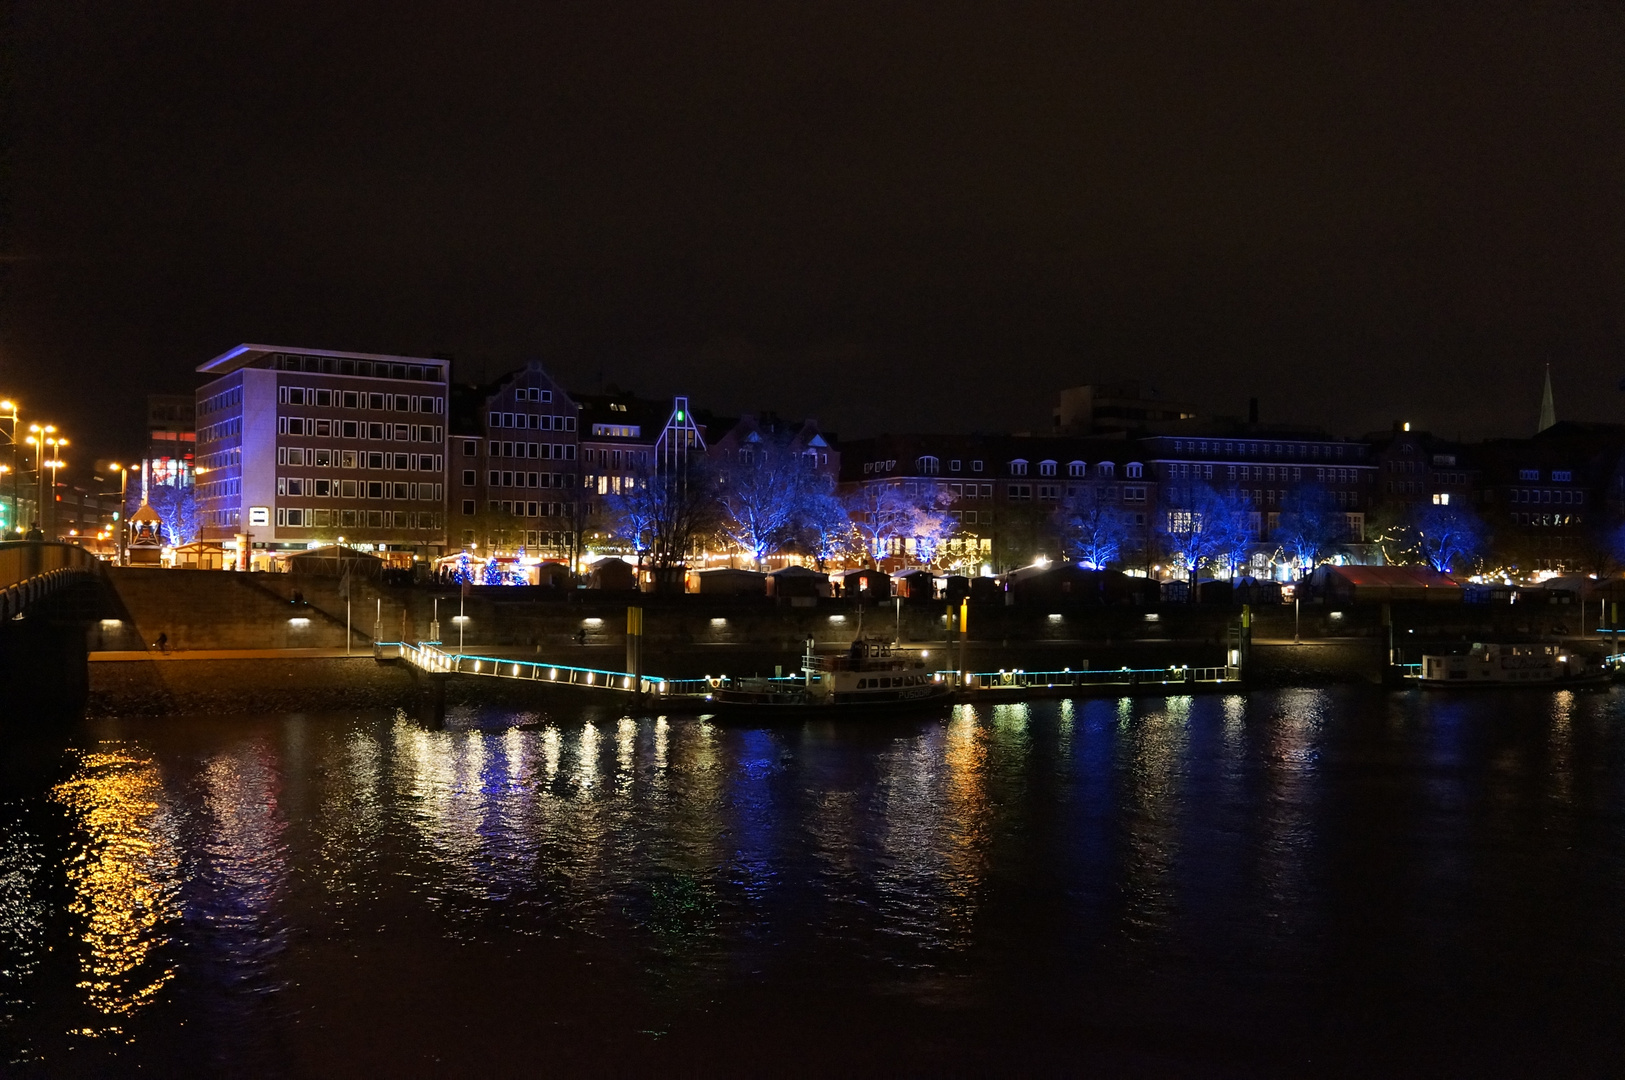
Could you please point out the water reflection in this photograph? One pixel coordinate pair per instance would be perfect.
(934, 831)
(1192, 856)
(23, 906)
(124, 873)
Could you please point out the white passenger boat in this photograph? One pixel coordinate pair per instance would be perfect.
(868, 676)
(1495, 664)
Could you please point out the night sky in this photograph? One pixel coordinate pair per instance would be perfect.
(926, 217)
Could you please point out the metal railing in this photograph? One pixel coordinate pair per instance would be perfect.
(428, 657)
(1020, 678)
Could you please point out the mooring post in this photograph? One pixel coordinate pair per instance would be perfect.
(634, 648)
(964, 626)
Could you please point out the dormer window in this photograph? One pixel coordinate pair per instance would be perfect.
(955, 465)
(1076, 468)
(1106, 468)
(1046, 468)
(1134, 470)
(928, 465)
(1018, 467)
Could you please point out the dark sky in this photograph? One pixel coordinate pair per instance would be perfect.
(887, 216)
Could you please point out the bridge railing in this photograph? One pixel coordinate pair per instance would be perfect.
(31, 569)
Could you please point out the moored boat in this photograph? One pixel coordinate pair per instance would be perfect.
(1502, 665)
(869, 676)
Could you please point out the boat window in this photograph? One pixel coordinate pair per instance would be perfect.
(863, 684)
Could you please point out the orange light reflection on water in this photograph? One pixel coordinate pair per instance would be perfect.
(124, 871)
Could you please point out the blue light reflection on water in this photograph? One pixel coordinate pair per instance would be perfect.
(1342, 860)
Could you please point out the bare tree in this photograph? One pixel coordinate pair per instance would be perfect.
(662, 512)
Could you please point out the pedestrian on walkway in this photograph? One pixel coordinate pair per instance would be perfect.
(162, 644)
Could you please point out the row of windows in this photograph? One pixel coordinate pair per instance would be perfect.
(356, 429)
(317, 488)
(543, 538)
(1254, 449)
(225, 429)
(541, 451)
(219, 489)
(886, 681)
(532, 421)
(221, 459)
(618, 431)
(226, 399)
(297, 518)
(1559, 476)
(1052, 492)
(494, 478)
(1567, 495)
(358, 399)
(616, 459)
(532, 393)
(321, 458)
(372, 369)
(1546, 519)
(931, 466)
(968, 491)
(219, 519)
(520, 509)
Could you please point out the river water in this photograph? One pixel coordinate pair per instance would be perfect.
(1284, 883)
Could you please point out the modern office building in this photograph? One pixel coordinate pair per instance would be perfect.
(302, 447)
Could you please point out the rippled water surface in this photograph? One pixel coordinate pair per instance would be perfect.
(1287, 883)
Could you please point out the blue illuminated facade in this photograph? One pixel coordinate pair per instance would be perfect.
(302, 446)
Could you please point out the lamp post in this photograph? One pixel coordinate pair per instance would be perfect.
(44, 439)
(54, 464)
(118, 515)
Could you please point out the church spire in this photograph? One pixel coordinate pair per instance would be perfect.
(1548, 411)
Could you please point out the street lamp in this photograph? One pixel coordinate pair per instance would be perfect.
(44, 439)
(119, 515)
(54, 464)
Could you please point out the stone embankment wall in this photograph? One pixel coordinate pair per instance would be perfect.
(692, 635)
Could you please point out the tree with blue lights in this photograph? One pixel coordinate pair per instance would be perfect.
(1193, 526)
(1311, 526)
(1092, 530)
(1447, 535)
(763, 499)
(493, 573)
(825, 530)
(176, 507)
(464, 573)
(884, 515)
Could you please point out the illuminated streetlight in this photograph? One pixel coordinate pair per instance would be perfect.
(118, 515)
